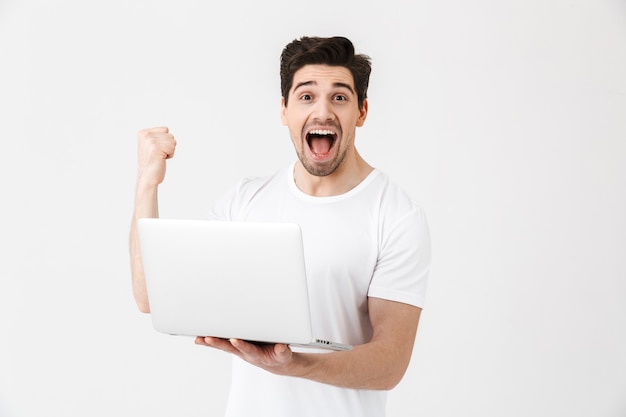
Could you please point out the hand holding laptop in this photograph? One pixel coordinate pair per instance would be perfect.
(263, 355)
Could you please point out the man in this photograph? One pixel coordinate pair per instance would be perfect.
(366, 245)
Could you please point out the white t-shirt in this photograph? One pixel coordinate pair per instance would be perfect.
(372, 241)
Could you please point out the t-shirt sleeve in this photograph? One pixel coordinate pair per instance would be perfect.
(401, 272)
(230, 205)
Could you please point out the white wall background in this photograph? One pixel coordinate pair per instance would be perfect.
(507, 120)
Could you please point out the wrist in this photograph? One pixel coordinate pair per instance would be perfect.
(301, 365)
(146, 200)
(144, 187)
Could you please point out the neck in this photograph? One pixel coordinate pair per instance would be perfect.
(347, 176)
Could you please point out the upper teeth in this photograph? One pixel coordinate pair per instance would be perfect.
(321, 132)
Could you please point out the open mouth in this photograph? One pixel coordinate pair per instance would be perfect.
(321, 141)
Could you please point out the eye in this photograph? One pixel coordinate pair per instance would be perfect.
(306, 97)
(340, 97)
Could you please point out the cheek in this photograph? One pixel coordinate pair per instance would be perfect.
(295, 125)
(295, 136)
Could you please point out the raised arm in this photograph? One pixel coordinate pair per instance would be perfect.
(154, 147)
(379, 364)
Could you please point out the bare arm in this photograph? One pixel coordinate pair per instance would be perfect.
(379, 364)
(154, 147)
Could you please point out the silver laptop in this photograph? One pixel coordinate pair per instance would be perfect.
(243, 280)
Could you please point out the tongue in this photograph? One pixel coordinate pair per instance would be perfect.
(320, 145)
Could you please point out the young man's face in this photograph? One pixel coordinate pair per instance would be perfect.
(322, 115)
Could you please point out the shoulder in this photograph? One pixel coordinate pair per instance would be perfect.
(393, 200)
(242, 193)
(400, 217)
(247, 187)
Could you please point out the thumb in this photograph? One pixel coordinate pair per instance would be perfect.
(282, 352)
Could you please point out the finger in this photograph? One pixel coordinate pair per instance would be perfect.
(160, 129)
(205, 341)
(251, 350)
(162, 143)
(282, 352)
(268, 354)
(221, 344)
(280, 348)
(240, 345)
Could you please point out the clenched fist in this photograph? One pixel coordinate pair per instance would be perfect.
(154, 146)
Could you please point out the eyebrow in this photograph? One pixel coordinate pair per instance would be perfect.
(336, 85)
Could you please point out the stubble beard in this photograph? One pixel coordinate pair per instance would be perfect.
(321, 169)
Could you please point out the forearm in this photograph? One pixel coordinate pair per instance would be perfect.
(146, 205)
(371, 366)
(379, 364)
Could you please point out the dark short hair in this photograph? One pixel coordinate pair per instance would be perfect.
(335, 51)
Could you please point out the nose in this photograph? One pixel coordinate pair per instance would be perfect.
(323, 111)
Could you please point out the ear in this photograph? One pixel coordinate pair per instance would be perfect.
(283, 111)
(362, 114)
